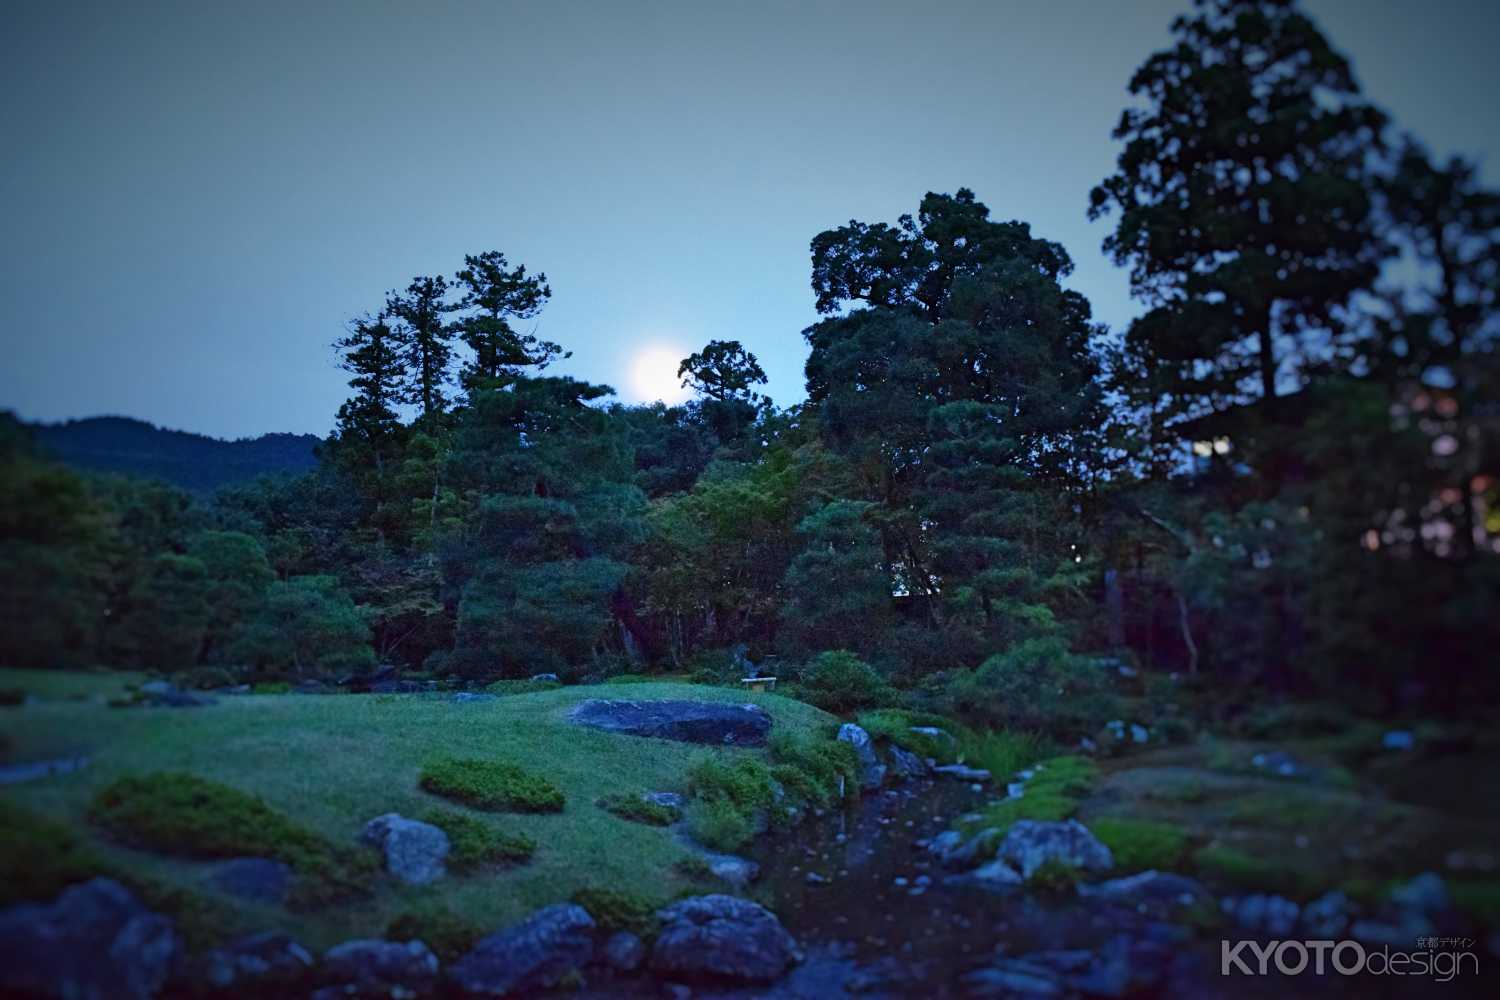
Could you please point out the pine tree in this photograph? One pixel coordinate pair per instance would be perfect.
(495, 295)
(428, 339)
(368, 428)
(1243, 194)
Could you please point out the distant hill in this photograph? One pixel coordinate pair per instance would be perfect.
(192, 461)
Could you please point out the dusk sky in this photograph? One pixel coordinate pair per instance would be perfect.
(198, 196)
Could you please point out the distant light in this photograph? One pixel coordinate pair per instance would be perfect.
(653, 374)
(1222, 446)
(1445, 445)
(1203, 449)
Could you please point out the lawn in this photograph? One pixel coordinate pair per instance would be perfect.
(332, 762)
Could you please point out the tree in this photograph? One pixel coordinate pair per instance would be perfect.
(1244, 198)
(495, 295)
(428, 341)
(965, 387)
(838, 590)
(368, 427)
(235, 577)
(723, 371)
(307, 625)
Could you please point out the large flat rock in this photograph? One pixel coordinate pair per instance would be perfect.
(685, 721)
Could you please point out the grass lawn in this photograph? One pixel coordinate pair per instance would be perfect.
(333, 762)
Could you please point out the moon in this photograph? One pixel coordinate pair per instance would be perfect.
(653, 374)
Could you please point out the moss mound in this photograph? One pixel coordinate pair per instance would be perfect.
(473, 843)
(492, 785)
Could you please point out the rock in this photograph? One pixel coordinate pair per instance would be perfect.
(996, 873)
(624, 952)
(684, 721)
(980, 847)
(871, 771)
(96, 940)
(1280, 763)
(1265, 914)
(1158, 895)
(1398, 739)
(1326, 917)
(963, 772)
(1015, 789)
(414, 851)
(545, 678)
(722, 937)
(935, 733)
(165, 695)
(1139, 733)
(1124, 966)
(1029, 844)
(906, 765)
(1426, 894)
(269, 963)
(367, 966)
(261, 879)
(738, 872)
(813, 878)
(471, 697)
(11, 774)
(945, 843)
(669, 799)
(534, 955)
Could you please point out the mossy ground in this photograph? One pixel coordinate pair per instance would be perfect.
(329, 763)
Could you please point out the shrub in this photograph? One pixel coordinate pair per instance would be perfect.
(896, 726)
(473, 842)
(819, 765)
(620, 910)
(39, 857)
(717, 823)
(1035, 684)
(272, 687)
(838, 681)
(493, 785)
(1004, 752)
(743, 781)
(449, 935)
(183, 814)
(1141, 844)
(638, 809)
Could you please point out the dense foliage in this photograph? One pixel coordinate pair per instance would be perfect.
(1284, 472)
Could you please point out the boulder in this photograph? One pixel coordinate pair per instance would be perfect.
(624, 952)
(95, 940)
(269, 963)
(669, 799)
(683, 721)
(534, 955)
(871, 771)
(738, 872)
(1260, 913)
(262, 879)
(1327, 917)
(365, 967)
(414, 851)
(963, 772)
(957, 852)
(907, 765)
(1029, 844)
(722, 938)
(1158, 895)
(545, 679)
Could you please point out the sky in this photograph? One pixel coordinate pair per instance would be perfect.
(197, 197)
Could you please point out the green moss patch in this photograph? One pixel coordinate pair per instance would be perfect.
(474, 843)
(1245, 871)
(1052, 794)
(492, 785)
(620, 910)
(1141, 844)
(449, 935)
(40, 858)
(896, 726)
(182, 814)
(639, 809)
